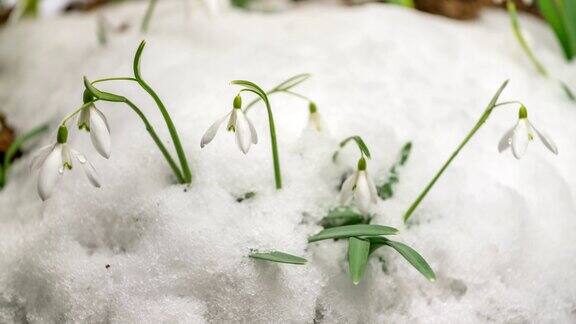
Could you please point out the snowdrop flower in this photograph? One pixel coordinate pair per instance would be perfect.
(360, 187)
(54, 159)
(519, 136)
(237, 123)
(93, 120)
(314, 118)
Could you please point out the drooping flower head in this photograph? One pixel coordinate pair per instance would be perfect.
(521, 134)
(93, 120)
(314, 119)
(54, 159)
(360, 187)
(238, 123)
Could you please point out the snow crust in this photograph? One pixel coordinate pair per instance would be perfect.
(498, 232)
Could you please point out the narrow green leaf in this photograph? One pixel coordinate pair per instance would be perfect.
(552, 12)
(136, 62)
(358, 252)
(568, 91)
(343, 216)
(413, 257)
(359, 142)
(102, 95)
(291, 82)
(277, 256)
(352, 230)
(570, 21)
(386, 190)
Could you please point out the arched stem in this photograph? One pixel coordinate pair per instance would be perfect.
(251, 87)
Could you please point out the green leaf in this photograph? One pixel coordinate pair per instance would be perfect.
(358, 252)
(386, 190)
(359, 142)
(568, 91)
(291, 82)
(570, 21)
(100, 94)
(413, 257)
(136, 63)
(343, 216)
(277, 256)
(352, 230)
(554, 14)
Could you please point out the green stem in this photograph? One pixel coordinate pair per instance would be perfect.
(473, 131)
(169, 124)
(105, 96)
(157, 140)
(115, 79)
(251, 87)
(148, 15)
(273, 91)
(521, 40)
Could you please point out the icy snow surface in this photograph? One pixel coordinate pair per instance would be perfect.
(500, 233)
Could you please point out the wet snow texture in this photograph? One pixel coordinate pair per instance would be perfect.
(499, 232)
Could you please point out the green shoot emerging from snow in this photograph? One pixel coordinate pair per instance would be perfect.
(517, 138)
(363, 240)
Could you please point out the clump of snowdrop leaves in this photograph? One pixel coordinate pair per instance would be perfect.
(524, 132)
(54, 159)
(363, 238)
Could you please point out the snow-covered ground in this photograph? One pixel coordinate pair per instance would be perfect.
(498, 232)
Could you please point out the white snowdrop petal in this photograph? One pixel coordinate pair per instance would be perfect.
(84, 118)
(232, 120)
(243, 134)
(100, 133)
(41, 156)
(520, 139)
(347, 189)
(91, 174)
(506, 140)
(546, 140)
(211, 132)
(253, 134)
(66, 157)
(372, 188)
(362, 193)
(50, 173)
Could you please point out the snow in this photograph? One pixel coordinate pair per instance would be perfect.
(498, 232)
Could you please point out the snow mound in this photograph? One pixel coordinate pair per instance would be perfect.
(498, 232)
